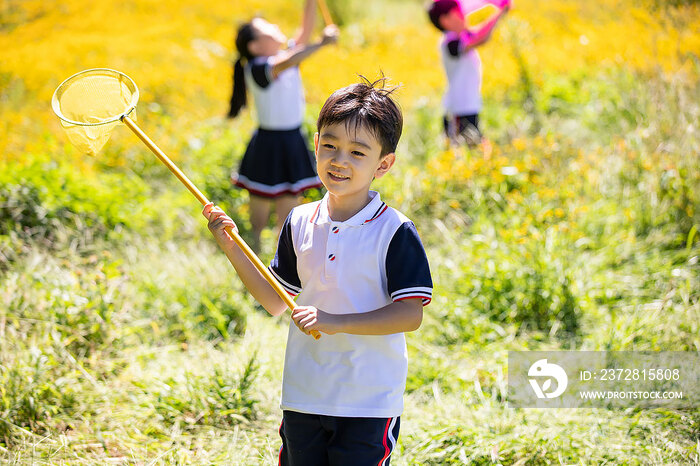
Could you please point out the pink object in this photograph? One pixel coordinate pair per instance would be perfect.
(469, 6)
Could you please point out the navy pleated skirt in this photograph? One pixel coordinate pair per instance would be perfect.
(277, 163)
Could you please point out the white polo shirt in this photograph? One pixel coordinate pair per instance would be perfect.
(279, 103)
(350, 267)
(463, 70)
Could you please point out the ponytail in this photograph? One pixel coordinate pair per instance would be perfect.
(238, 94)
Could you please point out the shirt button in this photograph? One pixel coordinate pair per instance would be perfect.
(331, 257)
(335, 230)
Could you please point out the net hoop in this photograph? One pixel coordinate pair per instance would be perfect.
(55, 99)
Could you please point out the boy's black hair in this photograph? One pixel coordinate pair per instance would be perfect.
(365, 104)
(438, 9)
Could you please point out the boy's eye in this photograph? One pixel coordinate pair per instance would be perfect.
(329, 146)
(358, 153)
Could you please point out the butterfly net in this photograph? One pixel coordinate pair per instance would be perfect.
(91, 103)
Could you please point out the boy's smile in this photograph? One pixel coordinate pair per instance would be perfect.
(348, 158)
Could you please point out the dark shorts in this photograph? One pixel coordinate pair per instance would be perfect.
(463, 129)
(277, 163)
(315, 440)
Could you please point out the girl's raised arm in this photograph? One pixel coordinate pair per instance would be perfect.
(482, 34)
(307, 23)
(297, 54)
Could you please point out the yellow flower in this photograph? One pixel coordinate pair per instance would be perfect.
(519, 144)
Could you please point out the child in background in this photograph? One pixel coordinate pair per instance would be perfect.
(463, 67)
(361, 277)
(277, 165)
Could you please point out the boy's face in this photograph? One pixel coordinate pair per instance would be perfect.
(348, 160)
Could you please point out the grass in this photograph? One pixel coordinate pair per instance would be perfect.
(125, 337)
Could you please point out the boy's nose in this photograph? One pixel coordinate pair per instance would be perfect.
(340, 159)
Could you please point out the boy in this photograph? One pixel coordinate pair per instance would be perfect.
(463, 68)
(361, 278)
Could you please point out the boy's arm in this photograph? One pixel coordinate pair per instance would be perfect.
(397, 317)
(307, 23)
(409, 285)
(250, 276)
(294, 56)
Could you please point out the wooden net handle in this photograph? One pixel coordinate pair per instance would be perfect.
(325, 12)
(203, 200)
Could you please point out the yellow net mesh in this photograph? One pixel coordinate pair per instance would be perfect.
(91, 103)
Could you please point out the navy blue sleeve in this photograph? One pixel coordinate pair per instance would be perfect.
(260, 70)
(453, 47)
(407, 268)
(458, 45)
(284, 265)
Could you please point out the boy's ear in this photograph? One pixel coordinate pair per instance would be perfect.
(385, 165)
(316, 142)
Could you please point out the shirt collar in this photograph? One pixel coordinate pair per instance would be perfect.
(374, 208)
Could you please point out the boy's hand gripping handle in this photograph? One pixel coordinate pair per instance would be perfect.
(203, 200)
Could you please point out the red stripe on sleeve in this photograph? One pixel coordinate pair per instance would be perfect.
(425, 300)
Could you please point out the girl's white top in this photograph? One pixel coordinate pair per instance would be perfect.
(279, 102)
(463, 70)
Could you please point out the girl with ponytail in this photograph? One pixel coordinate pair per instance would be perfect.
(277, 165)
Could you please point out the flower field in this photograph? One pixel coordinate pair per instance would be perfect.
(126, 338)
